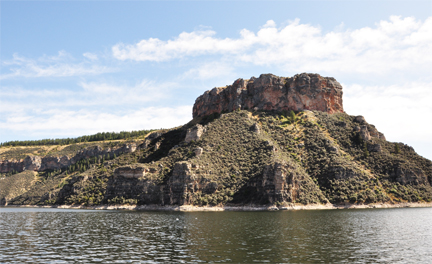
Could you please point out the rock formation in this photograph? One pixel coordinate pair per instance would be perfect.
(130, 172)
(304, 91)
(36, 163)
(319, 154)
(194, 133)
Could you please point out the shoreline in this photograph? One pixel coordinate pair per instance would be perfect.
(192, 208)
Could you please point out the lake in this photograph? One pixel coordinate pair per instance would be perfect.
(38, 235)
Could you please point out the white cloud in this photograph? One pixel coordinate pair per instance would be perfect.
(186, 44)
(209, 70)
(396, 44)
(401, 112)
(62, 65)
(145, 91)
(90, 56)
(18, 100)
(77, 123)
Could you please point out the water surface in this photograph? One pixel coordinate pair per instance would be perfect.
(323, 236)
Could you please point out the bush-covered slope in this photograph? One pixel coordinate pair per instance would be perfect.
(247, 157)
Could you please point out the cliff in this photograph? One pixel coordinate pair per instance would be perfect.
(304, 91)
(38, 163)
(265, 155)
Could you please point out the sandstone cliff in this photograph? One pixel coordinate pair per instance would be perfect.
(304, 91)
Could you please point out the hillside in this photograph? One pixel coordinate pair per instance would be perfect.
(272, 156)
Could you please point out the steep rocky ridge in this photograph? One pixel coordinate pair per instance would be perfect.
(304, 91)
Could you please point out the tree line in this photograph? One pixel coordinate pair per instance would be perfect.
(101, 136)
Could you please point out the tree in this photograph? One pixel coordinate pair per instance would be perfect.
(396, 149)
(292, 116)
(365, 150)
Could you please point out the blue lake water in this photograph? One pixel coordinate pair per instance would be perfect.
(37, 235)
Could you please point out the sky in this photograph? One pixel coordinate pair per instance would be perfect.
(73, 68)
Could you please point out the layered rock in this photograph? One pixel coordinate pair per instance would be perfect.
(37, 163)
(11, 165)
(406, 174)
(181, 182)
(278, 183)
(136, 182)
(304, 91)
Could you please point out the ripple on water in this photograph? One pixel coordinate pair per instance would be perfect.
(358, 236)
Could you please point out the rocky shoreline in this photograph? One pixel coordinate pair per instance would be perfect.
(191, 208)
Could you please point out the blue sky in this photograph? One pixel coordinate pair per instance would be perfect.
(72, 68)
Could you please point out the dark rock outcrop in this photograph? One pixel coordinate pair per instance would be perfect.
(181, 182)
(130, 172)
(304, 91)
(279, 183)
(409, 175)
(11, 165)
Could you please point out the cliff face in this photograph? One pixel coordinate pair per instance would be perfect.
(304, 91)
(37, 163)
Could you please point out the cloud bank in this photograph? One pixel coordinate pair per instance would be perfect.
(58, 122)
(385, 71)
(396, 44)
(62, 65)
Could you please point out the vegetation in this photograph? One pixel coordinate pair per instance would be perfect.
(67, 141)
(320, 156)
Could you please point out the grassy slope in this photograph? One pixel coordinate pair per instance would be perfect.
(17, 184)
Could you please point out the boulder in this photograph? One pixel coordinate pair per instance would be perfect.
(364, 133)
(32, 163)
(359, 119)
(198, 151)
(255, 128)
(194, 133)
(374, 148)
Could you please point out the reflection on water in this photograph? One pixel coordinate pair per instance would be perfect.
(57, 235)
